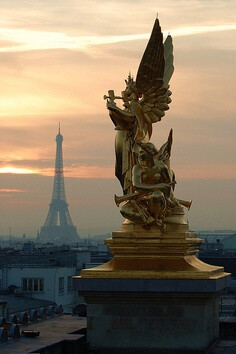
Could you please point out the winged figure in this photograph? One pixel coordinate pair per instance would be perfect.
(154, 183)
(145, 101)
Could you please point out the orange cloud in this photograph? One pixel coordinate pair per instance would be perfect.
(42, 40)
(11, 190)
(17, 170)
(83, 172)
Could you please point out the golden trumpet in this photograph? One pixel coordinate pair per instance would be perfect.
(111, 96)
(124, 198)
(186, 203)
(120, 199)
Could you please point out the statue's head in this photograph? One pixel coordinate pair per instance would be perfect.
(131, 87)
(145, 159)
(129, 81)
(149, 148)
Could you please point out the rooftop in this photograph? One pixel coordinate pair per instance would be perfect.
(54, 259)
(52, 331)
(22, 303)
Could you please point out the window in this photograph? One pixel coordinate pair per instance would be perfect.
(41, 284)
(61, 285)
(33, 284)
(69, 284)
(36, 287)
(30, 282)
(24, 284)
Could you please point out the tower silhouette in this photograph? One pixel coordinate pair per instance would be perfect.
(58, 226)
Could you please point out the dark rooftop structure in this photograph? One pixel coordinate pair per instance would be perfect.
(39, 258)
(17, 304)
(59, 334)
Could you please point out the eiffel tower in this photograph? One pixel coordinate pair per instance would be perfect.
(58, 227)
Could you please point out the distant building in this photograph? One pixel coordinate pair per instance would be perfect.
(58, 227)
(220, 249)
(230, 242)
(42, 273)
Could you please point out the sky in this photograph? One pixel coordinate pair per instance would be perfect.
(58, 59)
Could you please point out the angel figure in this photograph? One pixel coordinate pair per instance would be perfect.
(145, 101)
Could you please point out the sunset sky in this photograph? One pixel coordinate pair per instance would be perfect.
(58, 59)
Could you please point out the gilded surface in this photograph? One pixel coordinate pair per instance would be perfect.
(154, 241)
(144, 171)
(153, 254)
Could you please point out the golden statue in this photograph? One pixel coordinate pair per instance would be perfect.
(145, 102)
(154, 278)
(143, 172)
(154, 241)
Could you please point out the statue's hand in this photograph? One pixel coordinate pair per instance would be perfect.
(111, 105)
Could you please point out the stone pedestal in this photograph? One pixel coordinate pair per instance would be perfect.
(154, 295)
(150, 316)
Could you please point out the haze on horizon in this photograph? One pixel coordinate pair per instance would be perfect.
(59, 58)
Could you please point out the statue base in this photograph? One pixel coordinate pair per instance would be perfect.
(150, 315)
(155, 295)
(151, 254)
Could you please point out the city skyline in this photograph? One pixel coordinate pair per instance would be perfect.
(59, 59)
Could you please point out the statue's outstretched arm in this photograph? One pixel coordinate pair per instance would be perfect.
(128, 116)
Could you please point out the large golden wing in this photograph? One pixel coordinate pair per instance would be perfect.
(155, 102)
(165, 150)
(154, 73)
(152, 64)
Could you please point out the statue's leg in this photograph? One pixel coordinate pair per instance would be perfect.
(130, 211)
(157, 204)
(134, 210)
